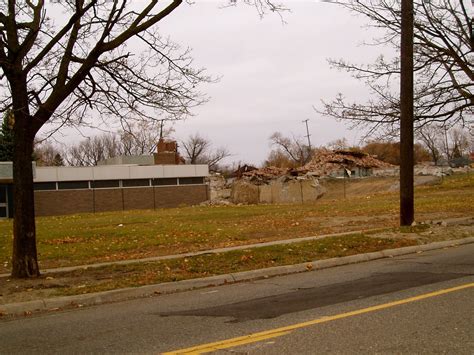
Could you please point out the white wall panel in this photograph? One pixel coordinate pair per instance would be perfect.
(146, 172)
(118, 172)
(115, 172)
(74, 173)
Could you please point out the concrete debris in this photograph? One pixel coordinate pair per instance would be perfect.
(277, 191)
(241, 170)
(324, 163)
(216, 202)
(430, 170)
(249, 185)
(328, 163)
(264, 175)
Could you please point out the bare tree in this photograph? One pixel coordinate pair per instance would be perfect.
(430, 136)
(63, 72)
(138, 138)
(60, 73)
(294, 148)
(90, 151)
(471, 138)
(141, 137)
(338, 144)
(278, 158)
(198, 150)
(445, 143)
(459, 142)
(443, 66)
(46, 154)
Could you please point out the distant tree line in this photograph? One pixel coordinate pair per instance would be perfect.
(138, 139)
(438, 145)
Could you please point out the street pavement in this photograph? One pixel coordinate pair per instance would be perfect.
(417, 303)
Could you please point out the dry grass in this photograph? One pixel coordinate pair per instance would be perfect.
(83, 281)
(90, 238)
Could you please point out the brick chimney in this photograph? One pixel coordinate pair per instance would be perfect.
(167, 153)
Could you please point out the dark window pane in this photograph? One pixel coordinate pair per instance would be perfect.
(102, 184)
(3, 194)
(73, 185)
(3, 212)
(45, 186)
(165, 181)
(191, 181)
(135, 182)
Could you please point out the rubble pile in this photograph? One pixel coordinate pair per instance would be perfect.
(264, 175)
(242, 170)
(325, 162)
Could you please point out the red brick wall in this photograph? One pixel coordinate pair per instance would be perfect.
(180, 195)
(138, 198)
(108, 200)
(166, 158)
(53, 203)
(166, 146)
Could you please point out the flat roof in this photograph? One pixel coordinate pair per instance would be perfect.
(106, 172)
(119, 172)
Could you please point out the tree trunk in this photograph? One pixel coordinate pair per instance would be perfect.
(407, 210)
(24, 259)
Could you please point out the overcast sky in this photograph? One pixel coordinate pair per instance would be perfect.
(272, 74)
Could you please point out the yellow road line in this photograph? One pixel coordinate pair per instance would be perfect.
(255, 337)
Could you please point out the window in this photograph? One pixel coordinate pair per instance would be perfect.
(42, 186)
(3, 194)
(103, 184)
(165, 181)
(73, 185)
(191, 181)
(135, 182)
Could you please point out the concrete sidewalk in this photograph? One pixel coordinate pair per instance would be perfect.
(59, 303)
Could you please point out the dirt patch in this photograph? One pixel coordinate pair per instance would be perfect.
(432, 234)
(337, 188)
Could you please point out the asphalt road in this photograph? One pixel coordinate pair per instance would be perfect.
(421, 303)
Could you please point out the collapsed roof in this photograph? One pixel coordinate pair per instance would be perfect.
(324, 163)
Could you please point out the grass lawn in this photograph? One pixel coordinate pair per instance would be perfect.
(81, 281)
(90, 238)
(139, 274)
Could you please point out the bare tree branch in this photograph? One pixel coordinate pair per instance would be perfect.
(443, 64)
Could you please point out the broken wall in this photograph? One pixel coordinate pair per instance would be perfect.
(277, 191)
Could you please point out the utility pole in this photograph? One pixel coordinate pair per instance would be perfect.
(307, 136)
(307, 133)
(407, 209)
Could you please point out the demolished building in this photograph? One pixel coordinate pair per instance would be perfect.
(280, 185)
(325, 163)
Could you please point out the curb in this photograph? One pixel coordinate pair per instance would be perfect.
(204, 252)
(77, 301)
